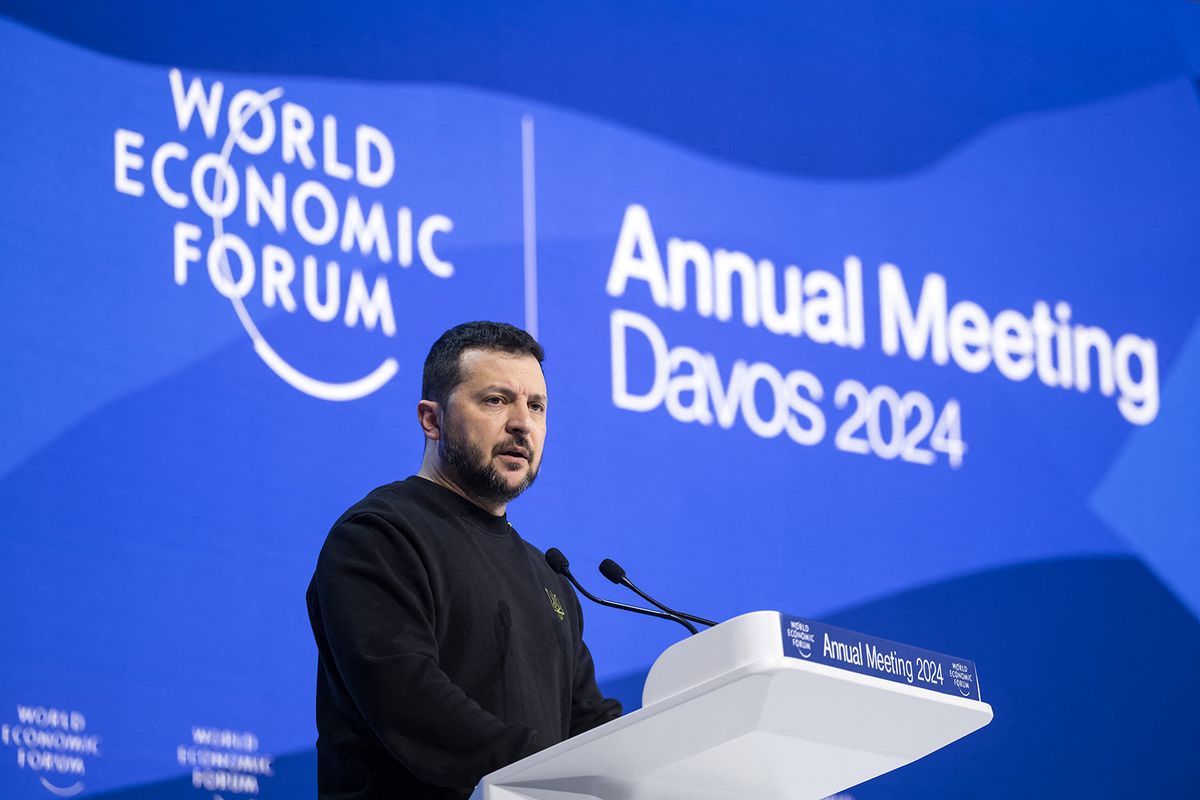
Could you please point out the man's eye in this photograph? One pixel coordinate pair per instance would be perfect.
(494, 400)
(538, 407)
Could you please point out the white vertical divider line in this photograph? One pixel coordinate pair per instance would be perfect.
(529, 215)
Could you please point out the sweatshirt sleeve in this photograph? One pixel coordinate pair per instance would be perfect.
(376, 612)
(589, 707)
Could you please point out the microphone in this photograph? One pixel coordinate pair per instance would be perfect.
(613, 571)
(558, 562)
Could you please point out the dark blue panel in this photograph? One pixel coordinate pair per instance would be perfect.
(831, 89)
(1089, 666)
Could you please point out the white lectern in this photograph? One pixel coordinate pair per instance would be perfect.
(760, 707)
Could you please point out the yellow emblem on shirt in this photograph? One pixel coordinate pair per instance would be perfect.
(556, 605)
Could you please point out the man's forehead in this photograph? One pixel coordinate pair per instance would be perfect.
(483, 366)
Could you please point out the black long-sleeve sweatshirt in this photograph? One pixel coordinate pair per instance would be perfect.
(447, 648)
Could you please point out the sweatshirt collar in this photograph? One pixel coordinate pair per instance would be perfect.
(464, 508)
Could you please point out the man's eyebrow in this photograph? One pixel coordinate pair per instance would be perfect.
(497, 389)
(508, 392)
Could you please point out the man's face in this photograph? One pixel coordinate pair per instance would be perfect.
(494, 425)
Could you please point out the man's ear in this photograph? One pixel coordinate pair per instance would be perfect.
(429, 415)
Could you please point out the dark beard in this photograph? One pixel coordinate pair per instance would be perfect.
(475, 474)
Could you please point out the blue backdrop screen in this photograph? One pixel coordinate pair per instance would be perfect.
(888, 324)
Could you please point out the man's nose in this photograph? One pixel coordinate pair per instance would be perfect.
(520, 419)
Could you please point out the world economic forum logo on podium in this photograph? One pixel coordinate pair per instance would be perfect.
(291, 221)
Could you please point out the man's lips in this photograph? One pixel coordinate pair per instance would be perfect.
(516, 452)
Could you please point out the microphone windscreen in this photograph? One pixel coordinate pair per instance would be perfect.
(557, 561)
(612, 570)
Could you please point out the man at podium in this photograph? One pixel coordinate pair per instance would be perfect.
(447, 647)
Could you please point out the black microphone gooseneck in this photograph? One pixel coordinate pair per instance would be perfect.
(558, 562)
(613, 571)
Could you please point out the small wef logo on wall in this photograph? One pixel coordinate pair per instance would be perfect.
(292, 218)
(224, 761)
(53, 744)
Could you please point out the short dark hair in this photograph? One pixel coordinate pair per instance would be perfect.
(443, 365)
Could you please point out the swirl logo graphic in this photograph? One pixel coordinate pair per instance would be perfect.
(305, 200)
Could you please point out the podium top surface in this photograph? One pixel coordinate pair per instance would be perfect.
(766, 635)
